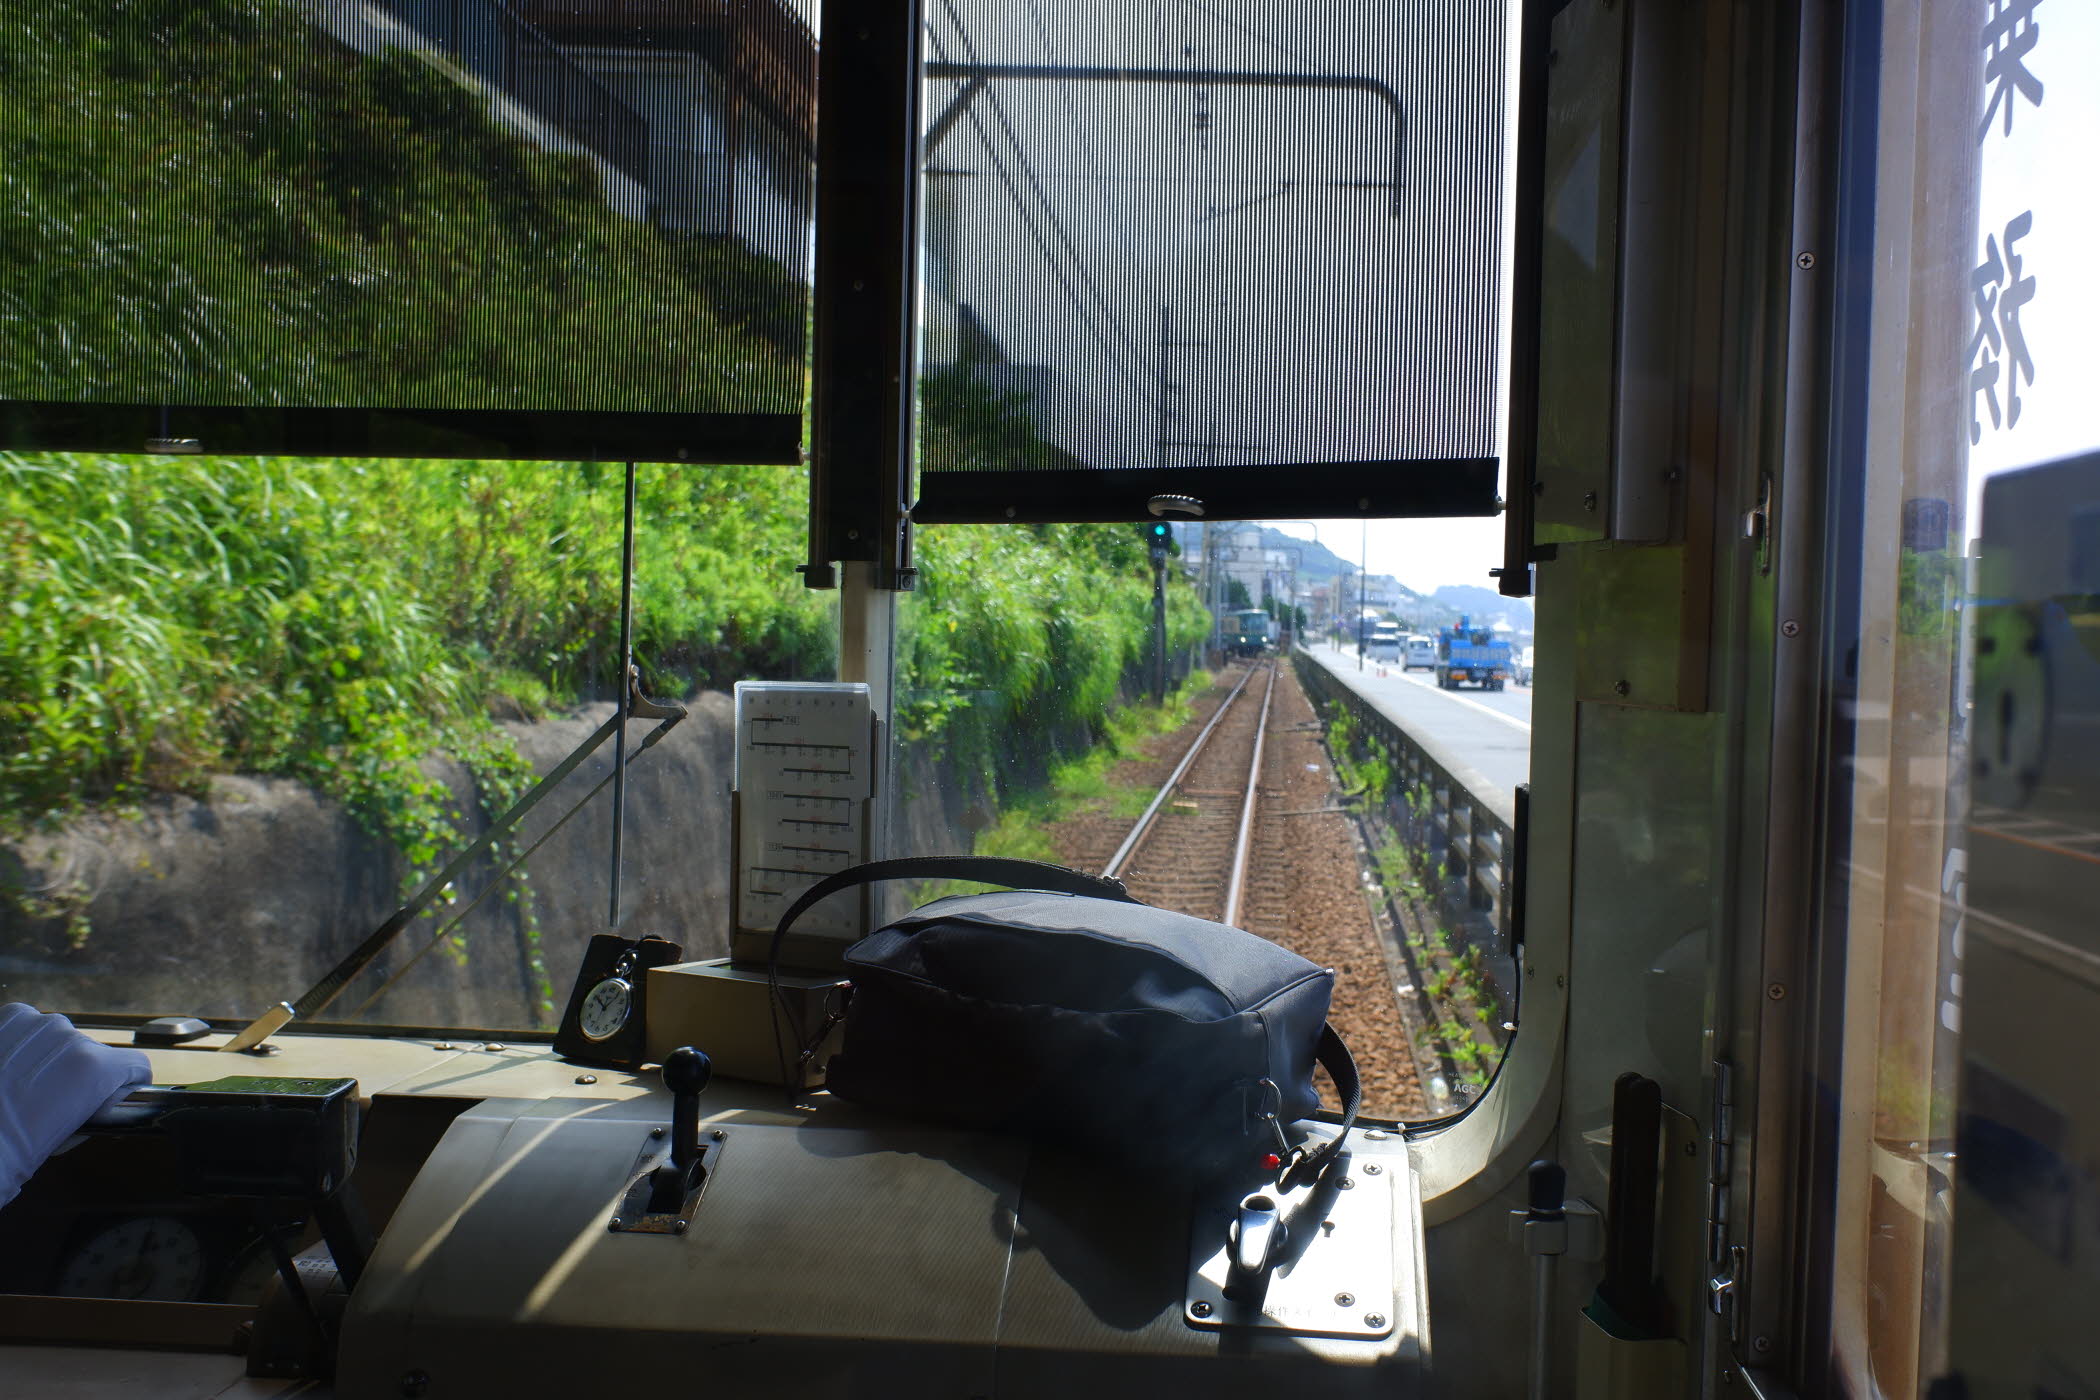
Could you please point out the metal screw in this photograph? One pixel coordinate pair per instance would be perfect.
(1538, 488)
(614, 1223)
(1372, 1169)
(1347, 1183)
(1805, 261)
(718, 1135)
(1560, 979)
(586, 1079)
(414, 1383)
(1761, 1344)
(1691, 1149)
(1376, 1135)
(1200, 1308)
(656, 1132)
(1374, 1320)
(1621, 688)
(1674, 474)
(1345, 1300)
(1790, 628)
(1777, 991)
(444, 1045)
(679, 1227)
(1589, 500)
(492, 1045)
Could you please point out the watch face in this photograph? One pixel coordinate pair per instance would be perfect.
(605, 1009)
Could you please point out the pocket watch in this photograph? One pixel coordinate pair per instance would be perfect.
(607, 1006)
(606, 1018)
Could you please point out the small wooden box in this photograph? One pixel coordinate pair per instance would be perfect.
(723, 1008)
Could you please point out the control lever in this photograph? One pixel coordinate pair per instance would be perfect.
(686, 1072)
(1255, 1241)
(1545, 1240)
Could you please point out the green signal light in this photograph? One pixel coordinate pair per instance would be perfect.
(1159, 531)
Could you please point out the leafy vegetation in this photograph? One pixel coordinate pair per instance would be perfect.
(1020, 641)
(337, 622)
(211, 201)
(1461, 1027)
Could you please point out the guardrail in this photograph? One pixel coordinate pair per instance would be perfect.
(1446, 824)
(519, 61)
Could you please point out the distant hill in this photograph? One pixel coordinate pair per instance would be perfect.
(1485, 605)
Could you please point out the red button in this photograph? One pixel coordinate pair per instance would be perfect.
(1271, 1162)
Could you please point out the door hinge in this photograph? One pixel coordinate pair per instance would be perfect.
(1727, 1264)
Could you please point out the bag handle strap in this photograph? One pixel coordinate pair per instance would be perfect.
(1334, 1057)
(987, 870)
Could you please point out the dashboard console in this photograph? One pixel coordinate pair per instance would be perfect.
(540, 1227)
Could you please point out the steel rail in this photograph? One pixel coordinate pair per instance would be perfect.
(1238, 878)
(1159, 800)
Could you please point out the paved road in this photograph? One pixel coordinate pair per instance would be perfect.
(1486, 731)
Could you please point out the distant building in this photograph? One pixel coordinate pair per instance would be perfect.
(728, 88)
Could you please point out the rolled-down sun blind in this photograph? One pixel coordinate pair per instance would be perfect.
(1248, 250)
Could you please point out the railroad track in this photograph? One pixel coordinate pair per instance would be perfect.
(1190, 849)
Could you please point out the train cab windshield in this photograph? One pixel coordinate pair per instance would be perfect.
(954, 698)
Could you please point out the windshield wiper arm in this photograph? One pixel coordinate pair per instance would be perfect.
(318, 996)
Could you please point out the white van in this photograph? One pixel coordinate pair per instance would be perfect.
(1421, 651)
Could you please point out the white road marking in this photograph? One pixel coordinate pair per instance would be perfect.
(1458, 699)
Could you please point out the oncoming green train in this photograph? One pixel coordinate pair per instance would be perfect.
(1246, 632)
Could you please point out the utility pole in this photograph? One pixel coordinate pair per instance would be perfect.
(1363, 580)
(1159, 533)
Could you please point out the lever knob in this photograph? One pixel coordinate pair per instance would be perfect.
(1547, 1190)
(686, 1070)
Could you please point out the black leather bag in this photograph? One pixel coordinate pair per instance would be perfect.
(1065, 1010)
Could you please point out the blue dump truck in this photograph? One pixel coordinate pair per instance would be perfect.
(1469, 655)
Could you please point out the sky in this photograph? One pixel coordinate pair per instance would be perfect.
(1422, 554)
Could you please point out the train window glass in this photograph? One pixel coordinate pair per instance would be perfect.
(1181, 249)
(249, 706)
(1962, 810)
(474, 228)
(1048, 696)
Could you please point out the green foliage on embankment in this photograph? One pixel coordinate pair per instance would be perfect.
(164, 620)
(213, 201)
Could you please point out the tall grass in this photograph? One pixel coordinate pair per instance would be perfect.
(165, 620)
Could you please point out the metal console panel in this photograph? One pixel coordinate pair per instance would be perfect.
(826, 1258)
